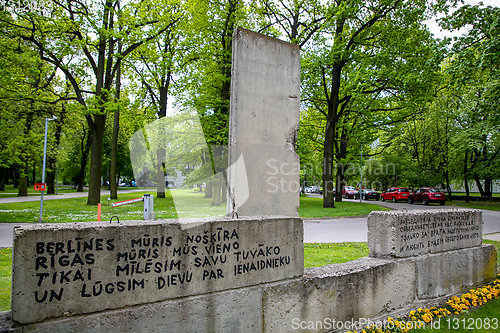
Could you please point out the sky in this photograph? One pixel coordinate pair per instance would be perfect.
(436, 30)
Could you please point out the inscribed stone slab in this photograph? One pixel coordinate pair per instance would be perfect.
(265, 104)
(69, 269)
(416, 232)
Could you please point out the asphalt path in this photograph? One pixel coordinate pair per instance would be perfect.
(356, 229)
(315, 230)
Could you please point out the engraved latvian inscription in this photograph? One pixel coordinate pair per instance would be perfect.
(79, 271)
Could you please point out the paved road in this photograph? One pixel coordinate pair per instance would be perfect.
(356, 229)
(321, 230)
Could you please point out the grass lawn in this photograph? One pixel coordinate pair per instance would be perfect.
(313, 208)
(472, 194)
(320, 254)
(182, 203)
(187, 202)
(10, 191)
(5, 278)
(497, 246)
(476, 204)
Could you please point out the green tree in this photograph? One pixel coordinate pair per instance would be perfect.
(207, 81)
(156, 64)
(475, 71)
(361, 70)
(90, 34)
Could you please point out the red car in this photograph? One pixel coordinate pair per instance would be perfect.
(350, 192)
(427, 195)
(395, 194)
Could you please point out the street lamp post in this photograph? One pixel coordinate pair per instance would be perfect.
(361, 173)
(43, 169)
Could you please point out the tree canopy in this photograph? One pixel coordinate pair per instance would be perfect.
(424, 111)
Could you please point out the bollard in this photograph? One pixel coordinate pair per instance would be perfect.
(98, 212)
(148, 207)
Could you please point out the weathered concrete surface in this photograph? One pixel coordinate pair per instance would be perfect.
(228, 311)
(464, 268)
(343, 292)
(350, 293)
(413, 233)
(69, 269)
(265, 104)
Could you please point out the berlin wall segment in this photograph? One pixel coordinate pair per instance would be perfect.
(264, 120)
(61, 270)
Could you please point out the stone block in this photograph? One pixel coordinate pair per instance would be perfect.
(339, 293)
(455, 271)
(265, 104)
(69, 269)
(237, 310)
(417, 232)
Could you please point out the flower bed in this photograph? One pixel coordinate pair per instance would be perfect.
(455, 305)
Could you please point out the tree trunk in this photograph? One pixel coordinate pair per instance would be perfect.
(341, 155)
(208, 190)
(330, 132)
(3, 177)
(479, 186)
(113, 183)
(97, 127)
(15, 176)
(448, 188)
(488, 187)
(50, 180)
(339, 182)
(83, 163)
(216, 192)
(160, 181)
(23, 182)
(161, 152)
(224, 191)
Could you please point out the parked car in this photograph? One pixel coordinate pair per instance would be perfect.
(128, 184)
(395, 194)
(370, 194)
(427, 195)
(350, 192)
(315, 189)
